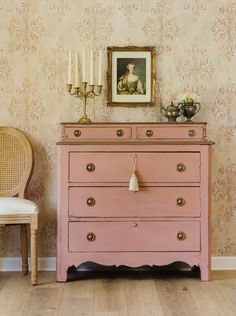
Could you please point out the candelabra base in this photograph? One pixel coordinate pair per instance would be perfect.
(85, 91)
(85, 120)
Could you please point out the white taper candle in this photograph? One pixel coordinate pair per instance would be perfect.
(76, 70)
(91, 66)
(100, 68)
(84, 66)
(69, 67)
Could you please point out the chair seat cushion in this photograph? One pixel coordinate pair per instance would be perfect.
(16, 206)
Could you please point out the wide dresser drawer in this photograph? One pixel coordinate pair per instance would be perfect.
(134, 236)
(117, 167)
(120, 202)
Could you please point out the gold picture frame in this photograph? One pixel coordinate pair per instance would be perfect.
(131, 76)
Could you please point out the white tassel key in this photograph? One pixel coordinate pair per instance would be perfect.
(133, 184)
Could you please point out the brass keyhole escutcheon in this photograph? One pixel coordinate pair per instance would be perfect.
(77, 133)
(120, 132)
(180, 167)
(90, 167)
(90, 201)
(191, 132)
(91, 236)
(181, 236)
(180, 201)
(149, 133)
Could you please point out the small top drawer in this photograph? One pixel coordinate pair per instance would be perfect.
(97, 133)
(170, 132)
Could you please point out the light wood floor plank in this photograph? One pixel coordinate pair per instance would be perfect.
(77, 298)
(174, 296)
(14, 293)
(226, 284)
(142, 298)
(208, 298)
(45, 298)
(110, 297)
(124, 294)
(4, 279)
(109, 314)
(21, 295)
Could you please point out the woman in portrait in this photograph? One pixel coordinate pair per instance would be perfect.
(130, 83)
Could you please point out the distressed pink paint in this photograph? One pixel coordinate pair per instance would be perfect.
(134, 236)
(117, 167)
(99, 133)
(108, 204)
(140, 228)
(171, 132)
(134, 131)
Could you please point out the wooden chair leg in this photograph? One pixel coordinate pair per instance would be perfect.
(24, 249)
(34, 256)
(34, 248)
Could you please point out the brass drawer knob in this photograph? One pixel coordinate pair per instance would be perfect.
(90, 167)
(91, 236)
(90, 201)
(180, 201)
(149, 133)
(181, 236)
(180, 167)
(120, 132)
(77, 133)
(191, 132)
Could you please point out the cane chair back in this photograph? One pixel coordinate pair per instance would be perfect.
(16, 161)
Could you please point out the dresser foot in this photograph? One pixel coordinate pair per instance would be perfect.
(205, 273)
(62, 276)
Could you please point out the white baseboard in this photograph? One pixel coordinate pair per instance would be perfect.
(223, 263)
(14, 264)
(49, 263)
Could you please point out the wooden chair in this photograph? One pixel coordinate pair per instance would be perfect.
(16, 161)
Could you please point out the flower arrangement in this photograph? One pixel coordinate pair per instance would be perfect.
(187, 97)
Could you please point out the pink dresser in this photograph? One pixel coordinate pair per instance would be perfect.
(100, 220)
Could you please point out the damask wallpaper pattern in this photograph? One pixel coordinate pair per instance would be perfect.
(196, 48)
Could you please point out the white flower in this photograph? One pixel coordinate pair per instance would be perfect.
(187, 96)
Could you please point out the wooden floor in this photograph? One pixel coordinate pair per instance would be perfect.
(119, 293)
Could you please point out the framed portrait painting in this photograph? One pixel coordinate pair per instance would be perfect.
(131, 76)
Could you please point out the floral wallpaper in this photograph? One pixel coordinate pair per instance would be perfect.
(196, 48)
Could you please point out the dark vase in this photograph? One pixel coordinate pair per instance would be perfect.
(189, 109)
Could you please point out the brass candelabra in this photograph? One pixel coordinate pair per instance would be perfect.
(85, 91)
